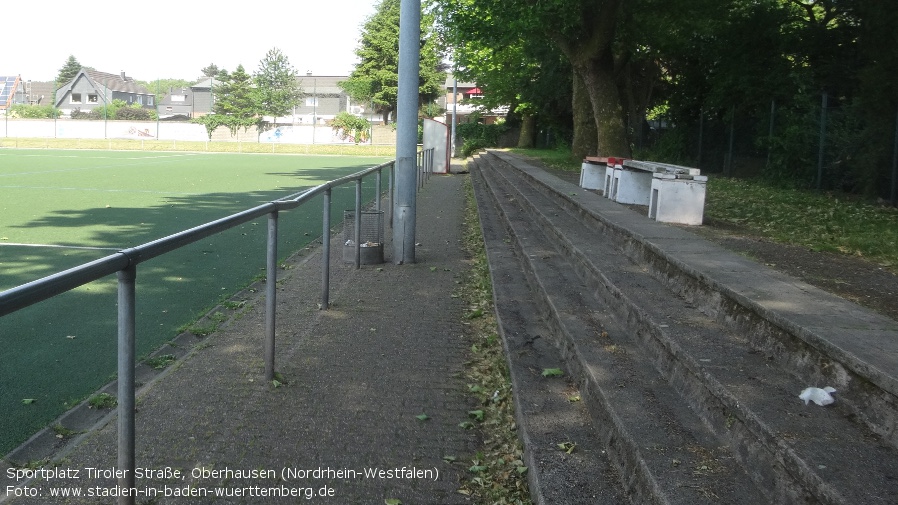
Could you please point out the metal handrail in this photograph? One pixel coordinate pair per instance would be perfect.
(124, 263)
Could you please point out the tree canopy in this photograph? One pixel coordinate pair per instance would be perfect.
(685, 63)
(277, 91)
(68, 71)
(375, 77)
(211, 70)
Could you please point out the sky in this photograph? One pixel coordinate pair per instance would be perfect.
(175, 39)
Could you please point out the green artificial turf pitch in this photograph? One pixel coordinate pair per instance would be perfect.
(93, 203)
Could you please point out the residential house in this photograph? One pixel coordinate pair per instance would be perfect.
(323, 99)
(178, 103)
(90, 89)
(201, 93)
(8, 88)
(461, 99)
(15, 91)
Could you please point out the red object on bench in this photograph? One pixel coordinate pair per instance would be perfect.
(610, 160)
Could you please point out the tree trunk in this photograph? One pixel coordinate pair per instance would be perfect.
(601, 85)
(585, 142)
(527, 137)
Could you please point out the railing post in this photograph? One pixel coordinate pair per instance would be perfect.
(271, 279)
(377, 192)
(326, 250)
(420, 165)
(358, 223)
(126, 402)
(391, 189)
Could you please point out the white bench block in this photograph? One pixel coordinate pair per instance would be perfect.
(678, 200)
(592, 176)
(632, 186)
(610, 185)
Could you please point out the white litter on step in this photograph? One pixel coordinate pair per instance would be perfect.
(819, 396)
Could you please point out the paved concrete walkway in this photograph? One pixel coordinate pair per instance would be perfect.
(345, 424)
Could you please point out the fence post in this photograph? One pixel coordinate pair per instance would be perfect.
(770, 134)
(271, 278)
(326, 251)
(358, 223)
(822, 142)
(126, 354)
(895, 160)
(728, 167)
(701, 134)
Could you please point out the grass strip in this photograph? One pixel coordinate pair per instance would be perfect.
(496, 474)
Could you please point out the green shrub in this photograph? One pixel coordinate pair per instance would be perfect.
(479, 136)
(33, 111)
(133, 113)
(349, 126)
(470, 147)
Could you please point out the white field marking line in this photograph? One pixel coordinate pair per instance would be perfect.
(102, 157)
(117, 165)
(102, 190)
(54, 246)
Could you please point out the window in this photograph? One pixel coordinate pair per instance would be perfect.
(76, 98)
(178, 98)
(312, 102)
(168, 109)
(150, 100)
(92, 98)
(140, 99)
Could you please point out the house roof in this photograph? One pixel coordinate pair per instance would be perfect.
(8, 85)
(205, 83)
(310, 84)
(41, 92)
(115, 82)
(36, 92)
(321, 84)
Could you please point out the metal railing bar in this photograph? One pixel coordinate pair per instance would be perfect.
(158, 247)
(41, 289)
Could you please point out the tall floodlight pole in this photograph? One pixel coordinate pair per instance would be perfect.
(407, 132)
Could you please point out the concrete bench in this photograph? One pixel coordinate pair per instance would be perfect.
(592, 172)
(673, 193)
(631, 183)
(678, 198)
